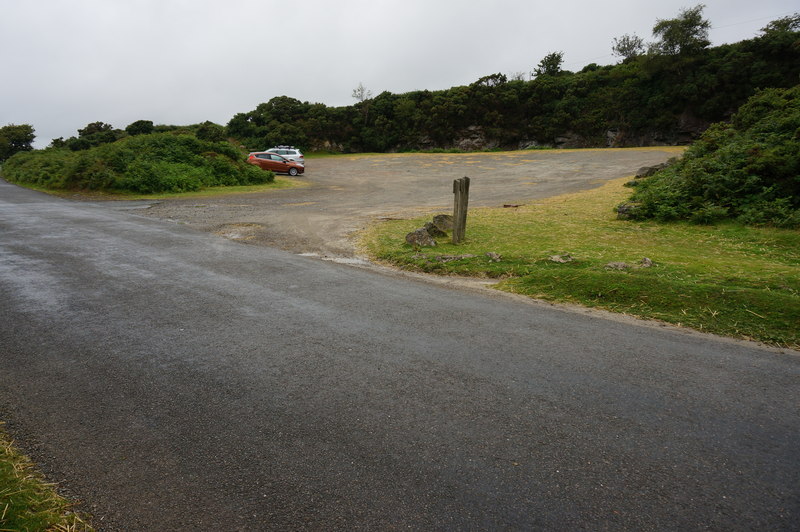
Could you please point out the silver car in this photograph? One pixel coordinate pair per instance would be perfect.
(289, 152)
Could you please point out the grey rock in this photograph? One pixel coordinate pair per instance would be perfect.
(645, 263)
(562, 259)
(451, 258)
(627, 210)
(420, 238)
(433, 230)
(569, 140)
(691, 126)
(443, 222)
(474, 138)
(618, 266)
(494, 257)
(647, 171)
(531, 144)
(612, 137)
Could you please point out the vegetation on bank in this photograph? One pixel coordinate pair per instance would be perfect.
(27, 502)
(147, 163)
(747, 169)
(668, 93)
(664, 92)
(727, 279)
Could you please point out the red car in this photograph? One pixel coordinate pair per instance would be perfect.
(275, 162)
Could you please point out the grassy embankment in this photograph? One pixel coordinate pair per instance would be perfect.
(279, 183)
(726, 279)
(27, 502)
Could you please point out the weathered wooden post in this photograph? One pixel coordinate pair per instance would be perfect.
(461, 191)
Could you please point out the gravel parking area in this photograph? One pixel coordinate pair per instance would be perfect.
(345, 193)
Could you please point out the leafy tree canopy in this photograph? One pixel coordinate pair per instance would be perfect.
(140, 127)
(210, 131)
(550, 65)
(628, 46)
(361, 93)
(14, 139)
(783, 25)
(492, 80)
(94, 128)
(686, 34)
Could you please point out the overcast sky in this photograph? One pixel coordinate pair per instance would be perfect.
(66, 63)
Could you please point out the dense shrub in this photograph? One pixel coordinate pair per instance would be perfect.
(666, 96)
(42, 168)
(747, 169)
(140, 127)
(210, 131)
(146, 163)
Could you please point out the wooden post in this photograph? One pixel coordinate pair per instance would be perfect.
(461, 191)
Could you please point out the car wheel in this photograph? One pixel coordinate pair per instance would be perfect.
(292, 172)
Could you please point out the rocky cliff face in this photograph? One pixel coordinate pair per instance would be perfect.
(687, 128)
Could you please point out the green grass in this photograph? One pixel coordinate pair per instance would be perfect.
(278, 184)
(727, 279)
(27, 502)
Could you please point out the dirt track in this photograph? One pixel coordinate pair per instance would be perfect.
(346, 193)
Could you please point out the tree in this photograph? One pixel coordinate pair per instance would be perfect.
(361, 94)
(94, 134)
(550, 65)
(95, 127)
(210, 131)
(58, 142)
(493, 80)
(628, 46)
(140, 127)
(687, 34)
(15, 138)
(783, 25)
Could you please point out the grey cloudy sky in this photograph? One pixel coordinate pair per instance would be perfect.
(66, 63)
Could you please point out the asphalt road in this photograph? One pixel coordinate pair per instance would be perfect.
(176, 380)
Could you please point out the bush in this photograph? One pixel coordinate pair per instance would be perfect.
(140, 127)
(145, 163)
(42, 168)
(210, 131)
(748, 169)
(161, 176)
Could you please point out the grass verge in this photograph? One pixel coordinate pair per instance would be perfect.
(726, 279)
(27, 502)
(278, 184)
